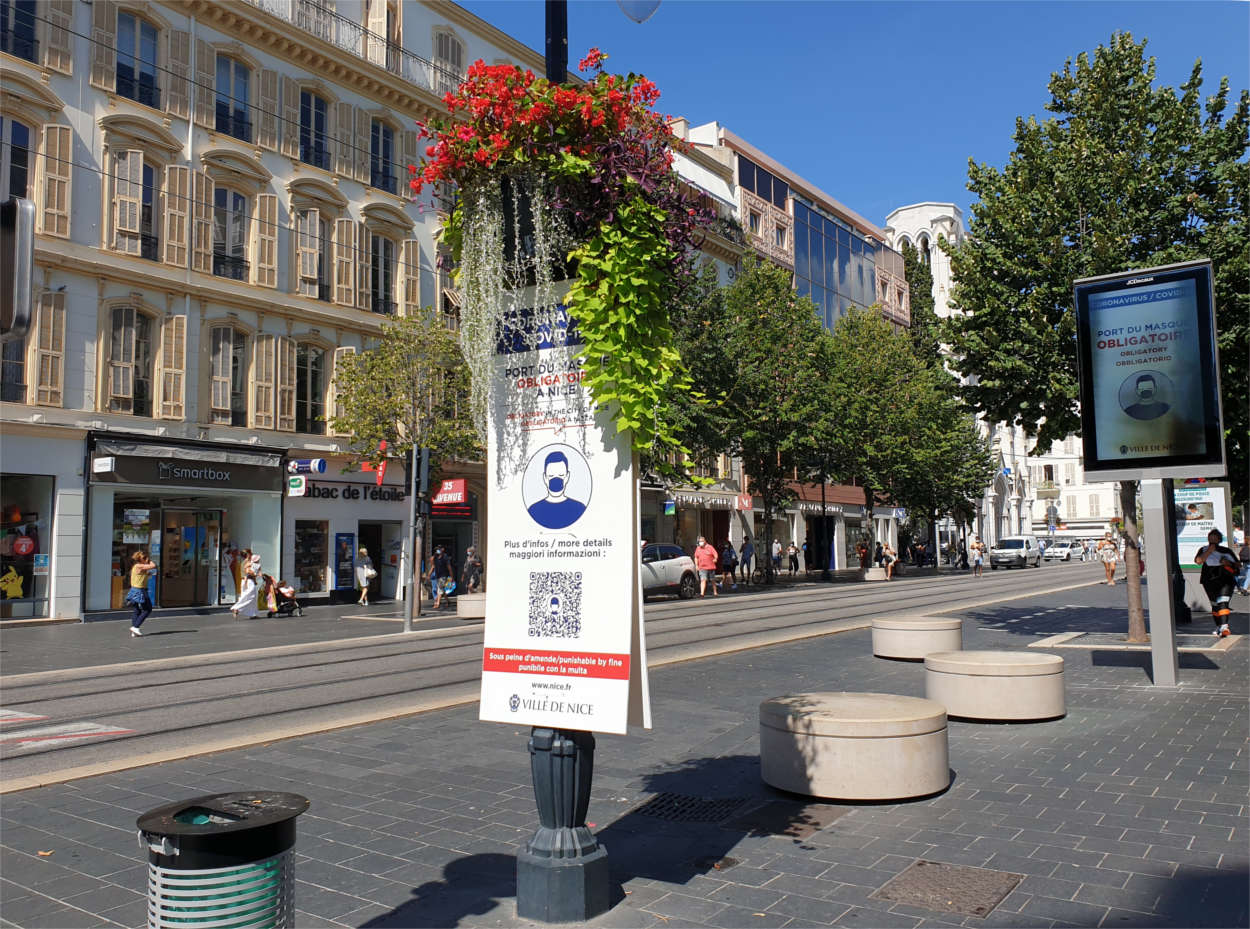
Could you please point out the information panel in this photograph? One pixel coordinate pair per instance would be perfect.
(1150, 395)
(1199, 509)
(561, 605)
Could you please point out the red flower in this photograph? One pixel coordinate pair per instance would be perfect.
(594, 59)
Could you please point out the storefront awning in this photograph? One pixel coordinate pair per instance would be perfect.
(216, 455)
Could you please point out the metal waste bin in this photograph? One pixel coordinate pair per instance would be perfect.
(223, 861)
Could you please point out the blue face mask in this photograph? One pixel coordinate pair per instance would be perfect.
(555, 484)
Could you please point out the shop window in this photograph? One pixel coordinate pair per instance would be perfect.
(314, 142)
(382, 267)
(130, 362)
(230, 225)
(229, 376)
(136, 60)
(233, 90)
(310, 363)
(15, 142)
(381, 157)
(17, 29)
(310, 555)
(25, 540)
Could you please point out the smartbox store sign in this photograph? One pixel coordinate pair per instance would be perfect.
(166, 472)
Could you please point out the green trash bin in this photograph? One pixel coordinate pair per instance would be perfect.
(225, 861)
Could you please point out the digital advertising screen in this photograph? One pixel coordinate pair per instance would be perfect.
(1149, 374)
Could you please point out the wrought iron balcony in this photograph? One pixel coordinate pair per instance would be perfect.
(233, 124)
(231, 266)
(141, 91)
(149, 247)
(383, 179)
(316, 155)
(382, 304)
(18, 45)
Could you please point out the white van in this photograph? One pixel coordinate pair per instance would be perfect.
(1016, 551)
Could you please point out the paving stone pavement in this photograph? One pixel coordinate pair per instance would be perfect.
(1132, 810)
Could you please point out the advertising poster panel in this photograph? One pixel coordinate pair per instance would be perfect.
(1199, 509)
(561, 606)
(1150, 403)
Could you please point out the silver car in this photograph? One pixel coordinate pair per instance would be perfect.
(666, 569)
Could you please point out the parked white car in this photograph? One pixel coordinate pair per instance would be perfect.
(1060, 551)
(1016, 551)
(666, 569)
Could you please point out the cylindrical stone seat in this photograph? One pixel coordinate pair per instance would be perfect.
(914, 637)
(996, 685)
(854, 746)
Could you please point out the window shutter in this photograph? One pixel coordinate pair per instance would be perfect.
(335, 409)
(290, 117)
(177, 198)
(127, 198)
(205, 84)
(376, 51)
(267, 240)
(410, 276)
(50, 351)
(409, 156)
(308, 246)
(122, 358)
(262, 380)
(219, 378)
(58, 155)
(286, 384)
(58, 53)
(178, 99)
(345, 161)
(364, 257)
(345, 262)
(266, 116)
(363, 124)
(202, 222)
(104, 45)
(173, 366)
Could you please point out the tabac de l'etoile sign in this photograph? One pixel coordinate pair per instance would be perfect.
(563, 639)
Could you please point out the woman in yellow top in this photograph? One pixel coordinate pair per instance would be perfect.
(141, 566)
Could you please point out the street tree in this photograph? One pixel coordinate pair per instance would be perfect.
(1122, 175)
(924, 328)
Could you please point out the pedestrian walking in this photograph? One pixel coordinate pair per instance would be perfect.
(442, 575)
(1218, 577)
(137, 596)
(705, 563)
(1109, 554)
(777, 555)
(746, 555)
(728, 564)
(878, 557)
(793, 552)
(888, 559)
(807, 555)
(245, 606)
(978, 557)
(471, 576)
(365, 573)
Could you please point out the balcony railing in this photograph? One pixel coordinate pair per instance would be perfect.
(381, 304)
(19, 45)
(231, 266)
(12, 391)
(383, 180)
(149, 247)
(233, 124)
(354, 38)
(323, 291)
(315, 155)
(139, 90)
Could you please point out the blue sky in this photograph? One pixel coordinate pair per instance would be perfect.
(880, 104)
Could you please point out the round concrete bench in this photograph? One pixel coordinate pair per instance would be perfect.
(854, 746)
(996, 685)
(915, 636)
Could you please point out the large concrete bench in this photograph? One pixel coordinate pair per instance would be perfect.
(915, 636)
(996, 685)
(854, 746)
(471, 606)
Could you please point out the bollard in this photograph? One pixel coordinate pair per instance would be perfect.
(225, 860)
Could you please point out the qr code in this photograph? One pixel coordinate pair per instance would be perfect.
(556, 604)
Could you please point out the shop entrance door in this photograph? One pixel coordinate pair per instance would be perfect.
(190, 557)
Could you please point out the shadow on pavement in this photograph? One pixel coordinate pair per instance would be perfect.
(1116, 658)
(1200, 897)
(471, 886)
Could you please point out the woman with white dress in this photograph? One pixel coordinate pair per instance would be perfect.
(245, 606)
(364, 574)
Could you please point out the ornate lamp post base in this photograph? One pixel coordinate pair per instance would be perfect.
(562, 873)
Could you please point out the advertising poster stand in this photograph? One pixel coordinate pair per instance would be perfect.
(1149, 375)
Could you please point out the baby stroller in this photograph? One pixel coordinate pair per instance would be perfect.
(284, 599)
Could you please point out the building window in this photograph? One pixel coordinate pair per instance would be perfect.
(753, 222)
(381, 157)
(14, 158)
(310, 364)
(314, 146)
(1093, 505)
(229, 377)
(13, 371)
(448, 63)
(1069, 473)
(149, 241)
(1071, 506)
(382, 269)
(136, 60)
(17, 28)
(229, 234)
(780, 236)
(314, 255)
(311, 15)
(233, 84)
(130, 362)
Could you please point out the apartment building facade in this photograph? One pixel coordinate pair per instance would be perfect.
(1067, 507)
(222, 216)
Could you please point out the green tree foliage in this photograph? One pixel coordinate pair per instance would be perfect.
(1123, 175)
(409, 389)
(925, 335)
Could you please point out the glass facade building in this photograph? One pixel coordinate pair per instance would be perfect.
(833, 265)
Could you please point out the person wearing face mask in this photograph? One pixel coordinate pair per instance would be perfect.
(557, 510)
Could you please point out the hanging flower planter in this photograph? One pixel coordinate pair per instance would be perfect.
(568, 187)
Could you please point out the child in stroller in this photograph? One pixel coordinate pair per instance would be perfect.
(285, 602)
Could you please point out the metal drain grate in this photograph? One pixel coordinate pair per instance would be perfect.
(949, 888)
(680, 808)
